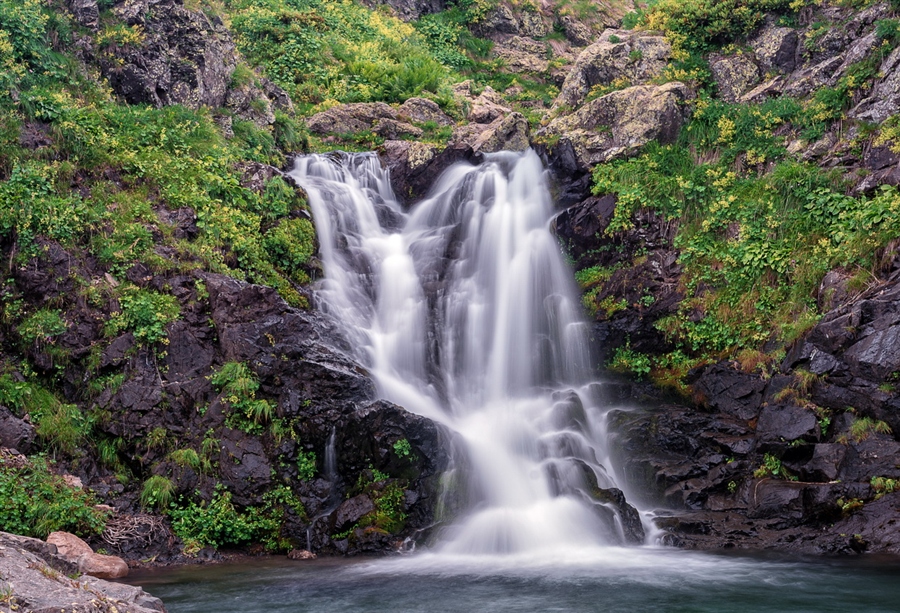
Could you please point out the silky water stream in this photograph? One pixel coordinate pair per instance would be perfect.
(465, 312)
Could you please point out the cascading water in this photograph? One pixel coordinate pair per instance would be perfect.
(466, 313)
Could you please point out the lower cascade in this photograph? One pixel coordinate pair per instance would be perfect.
(466, 313)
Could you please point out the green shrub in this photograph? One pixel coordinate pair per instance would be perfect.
(306, 465)
(238, 386)
(42, 326)
(217, 522)
(157, 493)
(626, 360)
(35, 502)
(145, 313)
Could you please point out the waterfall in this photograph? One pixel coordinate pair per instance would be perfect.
(465, 312)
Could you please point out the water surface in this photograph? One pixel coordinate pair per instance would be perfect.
(612, 579)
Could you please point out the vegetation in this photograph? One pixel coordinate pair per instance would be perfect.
(238, 386)
(35, 502)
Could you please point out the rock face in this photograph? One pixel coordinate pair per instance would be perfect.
(179, 56)
(39, 580)
(727, 469)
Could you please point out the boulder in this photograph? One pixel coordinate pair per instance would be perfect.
(15, 433)
(411, 10)
(393, 129)
(420, 110)
(636, 57)
(349, 118)
(75, 550)
(351, 511)
(786, 423)
(776, 48)
(617, 125)
(487, 107)
(734, 75)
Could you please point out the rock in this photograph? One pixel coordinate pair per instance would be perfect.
(183, 57)
(487, 107)
(884, 101)
(776, 48)
(617, 125)
(301, 554)
(393, 129)
(86, 12)
(500, 20)
(15, 433)
(35, 576)
(351, 511)
(577, 33)
(877, 355)
(411, 10)
(508, 133)
(629, 518)
(75, 550)
(786, 423)
(734, 75)
(826, 463)
(349, 118)
(733, 393)
(522, 55)
(103, 566)
(637, 57)
(420, 110)
(69, 546)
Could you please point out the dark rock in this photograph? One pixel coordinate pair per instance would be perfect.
(351, 511)
(629, 518)
(15, 433)
(731, 392)
(826, 463)
(776, 48)
(786, 423)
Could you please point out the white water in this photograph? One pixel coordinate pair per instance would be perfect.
(466, 313)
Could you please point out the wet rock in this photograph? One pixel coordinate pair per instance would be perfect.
(826, 463)
(877, 355)
(734, 393)
(786, 423)
(637, 57)
(351, 511)
(301, 554)
(734, 75)
(632, 529)
(349, 118)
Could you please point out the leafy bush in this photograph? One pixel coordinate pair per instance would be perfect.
(626, 360)
(306, 465)
(35, 502)
(217, 522)
(145, 313)
(42, 326)
(238, 386)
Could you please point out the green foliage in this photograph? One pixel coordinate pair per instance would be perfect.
(290, 246)
(403, 449)
(238, 386)
(772, 467)
(306, 465)
(863, 427)
(157, 493)
(64, 427)
(42, 326)
(627, 360)
(884, 485)
(321, 50)
(35, 502)
(701, 25)
(186, 457)
(217, 522)
(145, 313)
